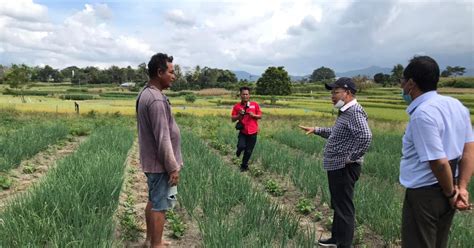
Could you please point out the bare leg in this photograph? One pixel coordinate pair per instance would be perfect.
(157, 223)
(148, 224)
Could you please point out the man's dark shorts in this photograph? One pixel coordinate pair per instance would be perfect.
(158, 189)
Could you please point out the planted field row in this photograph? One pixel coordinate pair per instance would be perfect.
(381, 160)
(73, 206)
(31, 170)
(27, 141)
(308, 176)
(378, 195)
(228, 211)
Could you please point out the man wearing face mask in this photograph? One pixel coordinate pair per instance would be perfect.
(347, 142)
(438, 145)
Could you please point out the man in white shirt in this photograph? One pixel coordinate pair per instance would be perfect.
(437, 157)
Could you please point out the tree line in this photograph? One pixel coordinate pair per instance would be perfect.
(18, 74)
(197, 79)
(397, 73)
(274, 81)
(206, 77)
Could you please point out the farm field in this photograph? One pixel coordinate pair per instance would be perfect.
(73, 180)
(380, 103)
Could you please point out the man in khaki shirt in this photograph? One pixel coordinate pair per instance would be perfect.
(159, 141)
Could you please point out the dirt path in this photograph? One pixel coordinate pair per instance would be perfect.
(289, 200)
(33, 169)
(136, 188)
(363, 235)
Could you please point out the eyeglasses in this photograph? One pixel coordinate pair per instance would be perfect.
(336, 92)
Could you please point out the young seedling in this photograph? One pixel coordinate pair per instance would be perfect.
(177, 225)
(304, 206)
(29, 169)
(5, 182)
(273, 188)
(318, 216)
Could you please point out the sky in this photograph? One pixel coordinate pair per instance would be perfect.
(247, 35)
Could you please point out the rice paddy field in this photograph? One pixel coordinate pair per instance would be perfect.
(74, 180)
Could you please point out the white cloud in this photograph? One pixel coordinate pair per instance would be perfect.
(241, 35)
(83, 39)
(25, 10)
(309, 23)
(177, 17)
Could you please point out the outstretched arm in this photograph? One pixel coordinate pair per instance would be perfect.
(324, 132)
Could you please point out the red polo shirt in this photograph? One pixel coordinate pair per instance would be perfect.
(250, 124)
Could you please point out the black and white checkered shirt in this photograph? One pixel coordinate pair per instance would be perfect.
(347, 140)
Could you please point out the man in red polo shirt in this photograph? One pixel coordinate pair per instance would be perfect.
(247, 113)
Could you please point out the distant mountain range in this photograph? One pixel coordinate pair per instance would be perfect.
(369, 71)
(242, 75)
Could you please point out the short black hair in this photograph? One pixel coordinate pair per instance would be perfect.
(244, 88)
(424, 71)
(158, 62)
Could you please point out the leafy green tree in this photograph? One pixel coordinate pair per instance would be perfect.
(192, 77)
(141, 75)
(397, 72)
(103, 77)
(91, 75)
(214, 77)
(459, 71)
(447, 72)
(178, 72)
(80, 76)
(456, 71)
(322, 73)
(196, 74)
(57, 76)
(191, 84)
(18, 76)
(362, 82)
(227, 76)
(115, 74)
(201, 78)
(190, 98)
(2, 73)
(45, 73)
(274, 81)
(68, 72)
(130, 72)
(180, 82)
(208, 76)
(35, 73)
(381, 78)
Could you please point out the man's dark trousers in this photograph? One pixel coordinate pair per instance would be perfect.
(426, 217)
(341, 187)
(246, 143)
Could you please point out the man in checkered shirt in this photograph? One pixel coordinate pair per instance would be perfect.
(347, 142)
